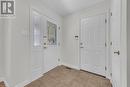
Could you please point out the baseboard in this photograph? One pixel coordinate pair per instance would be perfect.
(26, 82)
(33, 79)
(5, 81)
(112, 82)
(71, 66)
(22, 84)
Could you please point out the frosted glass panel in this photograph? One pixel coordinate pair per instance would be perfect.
(36, 30)
(52, 33)
(36, 37)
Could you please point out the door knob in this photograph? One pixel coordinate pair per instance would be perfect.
(118, 52)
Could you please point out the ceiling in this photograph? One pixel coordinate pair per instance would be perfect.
(64, 7)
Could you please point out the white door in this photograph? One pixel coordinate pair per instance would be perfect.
(51, 52)
(93, 38)
(36, 34)
(115, 38)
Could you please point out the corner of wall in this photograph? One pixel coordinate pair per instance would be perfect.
(70, 65)
(24, 83)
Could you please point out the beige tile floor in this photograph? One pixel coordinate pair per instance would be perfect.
(64, 77)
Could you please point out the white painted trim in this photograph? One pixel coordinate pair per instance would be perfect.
(123, 43)
(108, 58)
(8, 42)
(3, 79)
(113, 83)
(38, 76)
(71, 66)
(26, 82)
(39, 71)
(22, 84)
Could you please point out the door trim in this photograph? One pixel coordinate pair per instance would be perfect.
(107, 62)
(124, 43)
(39, 71)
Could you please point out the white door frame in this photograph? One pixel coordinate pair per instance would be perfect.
(123, 43)
(41, 69)
(108, 71)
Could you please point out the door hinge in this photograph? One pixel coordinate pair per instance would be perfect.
(111, 13)
(111, 43)
(105, 68)
(59, 44)
(105, 20)
(105, 44)
(111, 74)
(59, 28)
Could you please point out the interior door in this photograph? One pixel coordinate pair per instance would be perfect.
(116, 40)
(93, 38)
(36, 34)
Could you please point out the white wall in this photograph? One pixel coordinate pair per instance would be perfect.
(17, 49)
(17, 45)
(71, 27)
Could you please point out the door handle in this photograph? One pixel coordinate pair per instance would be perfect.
(81, 44)
(118, 52)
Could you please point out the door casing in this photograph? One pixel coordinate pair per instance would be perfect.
(37, 72)
(108, 58)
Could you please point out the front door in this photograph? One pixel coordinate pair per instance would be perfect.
(93, 38)
(36, 34)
